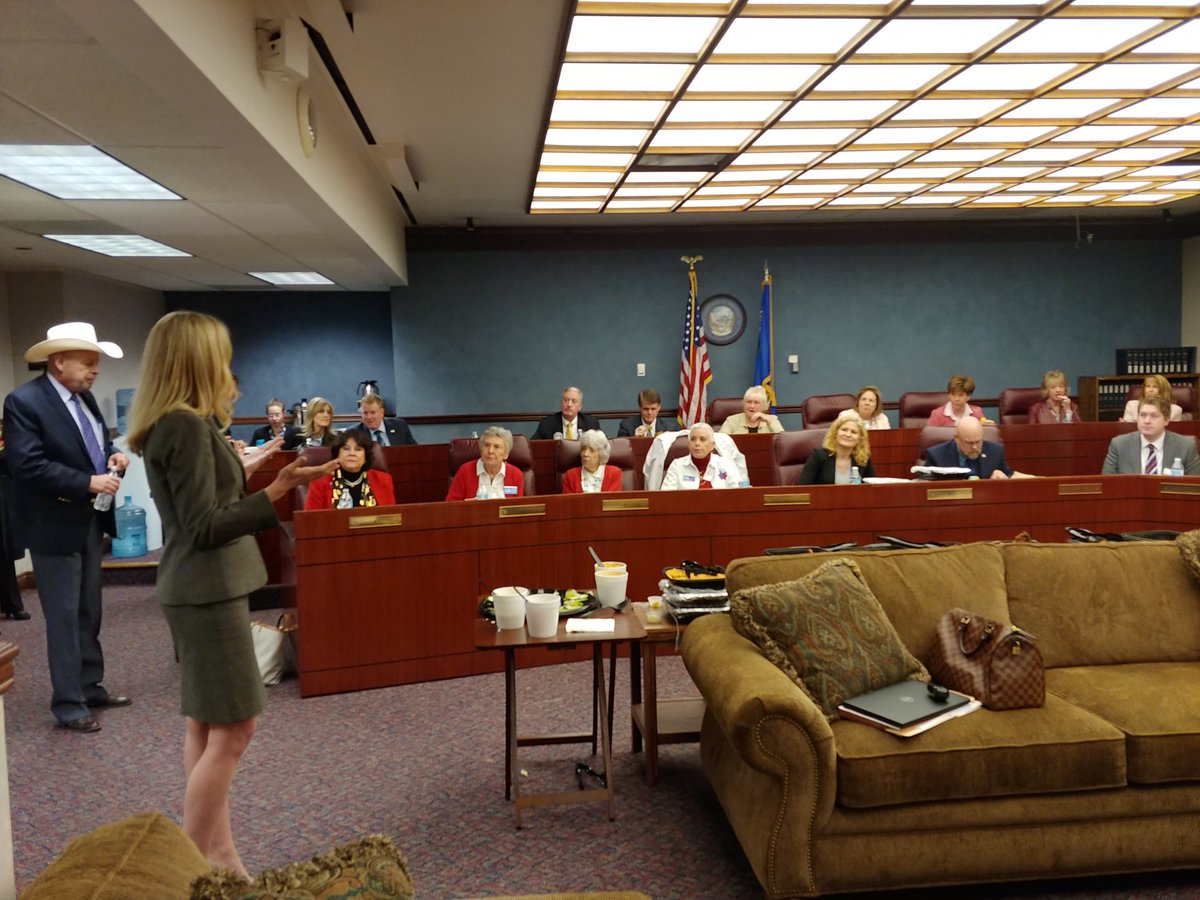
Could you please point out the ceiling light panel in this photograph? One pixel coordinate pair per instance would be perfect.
(862, 103)
(133, 245)
(291, 278)
(77, 173)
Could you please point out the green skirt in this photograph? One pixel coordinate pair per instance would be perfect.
(218, 671)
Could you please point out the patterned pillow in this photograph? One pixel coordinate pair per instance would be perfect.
(367, 869)
(827, 632)
(1189, 548)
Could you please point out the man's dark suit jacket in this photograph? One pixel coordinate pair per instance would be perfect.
(50, 468)
(397, 430)
(630, 425)
(991, 458)
(264, 434)
(552, 425)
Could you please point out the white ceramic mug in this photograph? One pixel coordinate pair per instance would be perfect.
(541, 615)
(509, 606)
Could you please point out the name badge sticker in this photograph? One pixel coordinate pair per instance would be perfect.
(689, 477)
(510, 490)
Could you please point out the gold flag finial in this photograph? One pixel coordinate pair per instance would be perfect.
(691, 260)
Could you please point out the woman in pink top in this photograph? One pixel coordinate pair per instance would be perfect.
(1056, 407)
(960, 389)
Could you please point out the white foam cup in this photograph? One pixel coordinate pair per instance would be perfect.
(541, 615)
(509, 607)
(611, 583)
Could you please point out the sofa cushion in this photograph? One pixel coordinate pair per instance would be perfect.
(914, 586)
(1156, 705)
(1095, 604)
(827, 632)
(1050, 749)
(146, 855)
(1188, 545)
(370, 868)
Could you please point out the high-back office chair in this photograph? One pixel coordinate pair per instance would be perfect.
(1015, 403)
(915, 407)
(821, 410)
(467, 450)
(1182, 394)
(566, 457)
(721, 409)
(938, 434)
(790, 451)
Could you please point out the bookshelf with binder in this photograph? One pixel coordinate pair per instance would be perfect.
(1102, 397)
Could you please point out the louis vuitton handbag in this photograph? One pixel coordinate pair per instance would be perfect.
(997, 664)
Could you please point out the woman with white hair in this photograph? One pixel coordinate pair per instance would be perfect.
(754, 418)
(593, 475)
(489, 477)
(702, 468)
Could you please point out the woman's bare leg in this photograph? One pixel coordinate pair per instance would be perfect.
(213, 750)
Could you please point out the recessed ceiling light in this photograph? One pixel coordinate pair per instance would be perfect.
(293, 278)
(117, 244)
(77, 173)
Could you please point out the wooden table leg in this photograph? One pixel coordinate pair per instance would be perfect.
(612, 685)
(635, 691)
(650, 710)
(605, 727)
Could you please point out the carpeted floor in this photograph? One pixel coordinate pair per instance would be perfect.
(422, 764)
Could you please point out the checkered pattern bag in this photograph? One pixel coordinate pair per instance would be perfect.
(997, 664)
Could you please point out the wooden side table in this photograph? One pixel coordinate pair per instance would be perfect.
(658, 722)
(510, 641)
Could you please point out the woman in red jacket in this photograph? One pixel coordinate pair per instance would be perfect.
(352, 484)
(593, 476)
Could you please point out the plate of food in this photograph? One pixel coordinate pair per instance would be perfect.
(692, 574)
(571, 602)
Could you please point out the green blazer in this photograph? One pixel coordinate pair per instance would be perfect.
(199, 487)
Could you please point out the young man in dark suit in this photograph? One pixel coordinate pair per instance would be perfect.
(645, 423)
(59, 457)
(387, 432)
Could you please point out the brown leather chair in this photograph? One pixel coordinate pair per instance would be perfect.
(721, 409)
(915, 407)
(821, 410)
(1184, 396)
(790, 451)
(1015, 403)
(938, 434)
(566, 457)
(464, 450)
(677, 449)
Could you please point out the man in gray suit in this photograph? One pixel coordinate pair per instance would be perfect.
(60, 459)
(1151, 450)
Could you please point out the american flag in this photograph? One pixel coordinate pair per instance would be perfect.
(694, 372)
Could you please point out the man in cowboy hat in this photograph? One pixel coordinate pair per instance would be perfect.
(59, 458)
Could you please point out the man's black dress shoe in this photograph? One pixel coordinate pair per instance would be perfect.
(85, 726)
(20, 615)
(110, 700)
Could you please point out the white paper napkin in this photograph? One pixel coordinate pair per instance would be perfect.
(591, 625)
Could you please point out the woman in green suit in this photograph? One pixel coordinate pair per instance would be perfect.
(211, 562)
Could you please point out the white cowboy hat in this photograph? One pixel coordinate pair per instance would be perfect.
(71, 336)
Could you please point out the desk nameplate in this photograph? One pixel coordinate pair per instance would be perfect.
(1065, 490)
(624, 503)
(1170, 487)
(787, 499)
(387, 520)
(517, 512)
(958, 493)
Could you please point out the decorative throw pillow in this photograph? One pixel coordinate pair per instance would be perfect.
(827, 632)
(1189, 548)
(370, 868)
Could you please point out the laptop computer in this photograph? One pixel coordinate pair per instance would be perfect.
(902, 704)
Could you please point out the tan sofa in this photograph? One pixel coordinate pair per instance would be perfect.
(1104, 778)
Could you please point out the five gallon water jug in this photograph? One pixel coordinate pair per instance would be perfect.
(131, 531)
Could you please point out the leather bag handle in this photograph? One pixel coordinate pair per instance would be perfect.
(989, 630)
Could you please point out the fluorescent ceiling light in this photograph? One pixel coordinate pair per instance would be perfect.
(926, 200)
(733, 174)
(543, 192)
(1075, 198)
(887, 187)
(710, 203)
(751, 77)
(646, 203)
(291, 278)
(861, 201)
(1004, 172)
(933, 173)
(1141, 154)
(1122, 185)
(117, 244)
(941, 36)
(756, 36)
(747, 191)
(968, 187)
(1144, 198)
(675, 190)
(77, 173)
(1165, 171)
(1047, 187)
(639, 34)
(1189, 133)
(1087, 171)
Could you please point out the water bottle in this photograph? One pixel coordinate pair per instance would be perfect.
(1176, 467)
(103, 502)
(131, 531)
(345, 501)
(855, 475)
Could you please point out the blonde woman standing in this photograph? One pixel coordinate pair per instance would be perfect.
(211, 562)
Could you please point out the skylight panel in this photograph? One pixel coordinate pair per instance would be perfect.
(861, 201)
(1079, 198)
(795, 158)
(1160, 108)
(1180, 39)
(834, 174)
(1077, 36)
(618, 160)
(1004, 172)
(834, 188)
(592, 177)
(837, 110)
(1143, 198)
(291, 279)
(915, 137)
(824, 37)
(1127, 76)
(688, 177)
(646, 111)
(1043, 187)
(1122, 185)
(967, 187)
(593, 191)
(1102, 134)
(941, 36)
(964, 156)
(1167, 171)
(1005, 76)
(1009, 135)
(747, 191)
(942, 110)
(1190, 185)
(734, 174)
(933, 173)
(595, 137)
(1186, 133)
(645, 203)
(1008, 199)
(122, 245)
(804, 137)
(751, 77)
(927, 200)
(757, 111)
(564, 205)
(714, 203)
(1045, 153)
(775, 200)
(609, 77)
(77, 172)
(885, 187)
(859, 157)
(879, 77)
(1141, 154)
(640, 34)
(707, 138)
(1087, 171)
(1062, 110)
(675, 190)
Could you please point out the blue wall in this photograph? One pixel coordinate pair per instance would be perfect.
(505, 331)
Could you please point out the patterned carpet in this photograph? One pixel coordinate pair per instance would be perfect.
(422, 764)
